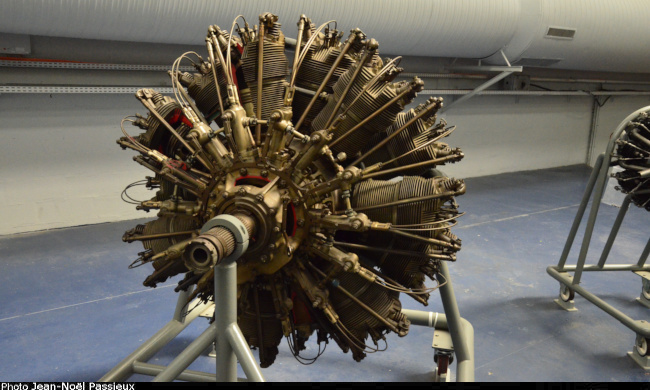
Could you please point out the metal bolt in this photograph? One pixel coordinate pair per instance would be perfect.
(300, 222)
(264, 258)
(347, 175)
(242, 191)
(259, 198)
(264, 173)
(276, 229)
(356, 225)
(243, 171)
(225, 195)
(282, 184)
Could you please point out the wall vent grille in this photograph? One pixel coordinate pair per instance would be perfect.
(560, 32)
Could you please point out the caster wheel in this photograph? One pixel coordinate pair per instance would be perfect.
(449, 357)
(641, 345)
(566, 293)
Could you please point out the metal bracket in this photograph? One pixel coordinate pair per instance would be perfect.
(442, 340)
(644, 299)
(642, 361)
(568, 305)
(640, 353)
(505, 71)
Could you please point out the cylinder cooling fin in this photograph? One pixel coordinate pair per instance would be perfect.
(328, 171)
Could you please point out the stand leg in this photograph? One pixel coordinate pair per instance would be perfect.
(124, 369)
(185, 358)
(581, 211)
(233, 345)
(181, 305)
(644, 255)
(246, 359)
(458, 335)
(225, 313)
(601, 182)
(615, 228)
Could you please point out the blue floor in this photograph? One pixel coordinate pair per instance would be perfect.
(71, 309)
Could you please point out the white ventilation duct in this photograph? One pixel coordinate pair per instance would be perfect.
(608, 35)
(586, 35)
(449, 28)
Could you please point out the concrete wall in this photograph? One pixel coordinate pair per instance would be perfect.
(59, 163)
(506, 134)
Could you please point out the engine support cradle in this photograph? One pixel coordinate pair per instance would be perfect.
(570, 284)
(225, 328)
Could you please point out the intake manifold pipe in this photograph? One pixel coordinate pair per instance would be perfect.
(223, 238)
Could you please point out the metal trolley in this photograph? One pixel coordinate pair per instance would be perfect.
(570, 284)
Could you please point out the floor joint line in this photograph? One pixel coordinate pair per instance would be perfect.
(516, 216)
(83, 303)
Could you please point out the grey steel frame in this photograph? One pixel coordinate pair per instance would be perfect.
(233, 346)
(596, 186)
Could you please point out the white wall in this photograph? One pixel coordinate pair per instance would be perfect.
(506, 134)
(60, 165)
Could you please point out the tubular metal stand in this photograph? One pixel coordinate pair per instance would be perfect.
(233, 346)
(460, 330)
(569, 285)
